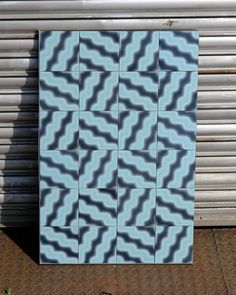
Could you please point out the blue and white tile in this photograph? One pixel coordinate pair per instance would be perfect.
(97, 244)
(97, 207)
(175, 206)
(135, 244)
(59, 207)
(59, 130)
(139, 50)
(137, 169)
(136, 207)
(138, 91)
(59, 91)
(59, 169)
(59, 51)
(137, 130)
(176, 130)
(59, 245)
(174, 244)
(98, 130)
(177, 91)
(179, 50)
(98, 169)
(176, 169)
(99, 51)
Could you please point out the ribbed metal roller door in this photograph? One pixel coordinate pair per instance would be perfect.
(216, 130)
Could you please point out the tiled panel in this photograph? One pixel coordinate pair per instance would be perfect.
(117, 146)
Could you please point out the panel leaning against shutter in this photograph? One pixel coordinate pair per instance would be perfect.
(216, 130)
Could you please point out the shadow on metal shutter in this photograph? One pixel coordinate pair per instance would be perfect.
(216, 130)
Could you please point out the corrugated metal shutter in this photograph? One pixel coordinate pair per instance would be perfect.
(216, 130)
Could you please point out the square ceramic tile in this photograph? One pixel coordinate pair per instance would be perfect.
(173, 244)
(139, 50)
(99, 91)
(176, 169)
(59, 51)
(97, 244)
(97, 207)
(59, 130)
(137, 169)
(98, 130)
(175, 206)
(136, 207)
(179, 51)
(135, 244)
(177, 91)
(98, 169)
(99, 51)
(137, 130)
(59, 207)
(138, 91)
(59, 245)
(176, 130)
(117, 146)
(59, 169)
(59, 91)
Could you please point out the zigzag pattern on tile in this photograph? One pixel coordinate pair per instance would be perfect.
(59, 130)
(138, 91)
(175, 207)
(137, 130)
(97, 244)
(59, 91)
(58, 169)
(177, 91)
(97, 207)
(98, 169)
(139, 51)
(99, 51)
(136, 207)
(98, 130)
(98, 90)
(179, 51)
(58, 207)
(59, 51)
(59, 245)
(174, 244)
(175, 169)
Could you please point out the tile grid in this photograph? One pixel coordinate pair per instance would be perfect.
(118, 147)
